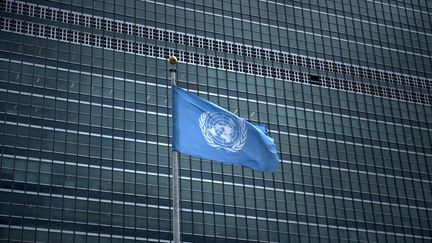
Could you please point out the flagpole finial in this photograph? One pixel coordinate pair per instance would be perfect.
(172, 60)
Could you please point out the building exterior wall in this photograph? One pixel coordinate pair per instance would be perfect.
(343, 86)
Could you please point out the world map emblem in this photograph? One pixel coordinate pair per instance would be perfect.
(223, 131)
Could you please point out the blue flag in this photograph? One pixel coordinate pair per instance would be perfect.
(208, 131)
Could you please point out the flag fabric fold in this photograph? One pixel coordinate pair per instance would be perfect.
(207, 131)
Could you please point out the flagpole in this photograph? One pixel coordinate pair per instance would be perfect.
(175, 170)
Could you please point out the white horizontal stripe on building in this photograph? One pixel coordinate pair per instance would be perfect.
(397, 6)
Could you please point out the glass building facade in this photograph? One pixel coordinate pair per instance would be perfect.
(342, 85)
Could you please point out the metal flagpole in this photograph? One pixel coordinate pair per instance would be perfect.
(175, 171)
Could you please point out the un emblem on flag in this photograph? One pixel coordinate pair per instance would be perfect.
(223, 131)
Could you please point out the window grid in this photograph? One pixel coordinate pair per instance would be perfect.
(86, 135)
(219, 62)
(202, 42)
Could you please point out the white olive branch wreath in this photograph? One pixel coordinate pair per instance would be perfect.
(236, 147)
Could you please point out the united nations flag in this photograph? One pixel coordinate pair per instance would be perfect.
(208, 131)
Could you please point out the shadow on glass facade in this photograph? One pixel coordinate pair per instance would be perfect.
(85, 119)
